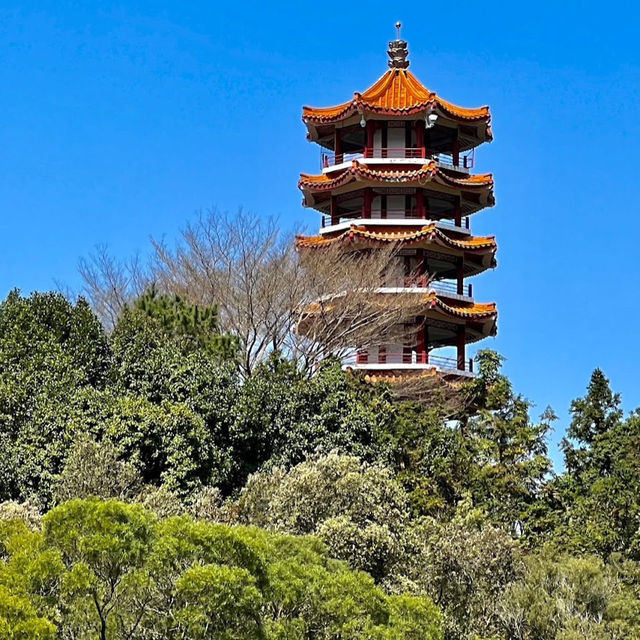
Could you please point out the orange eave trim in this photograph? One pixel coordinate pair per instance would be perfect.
(429, 232)
(360, 170)
(398, 92)
(477, 311)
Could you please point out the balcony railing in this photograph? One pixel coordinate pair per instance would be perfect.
(465, 161)
(408, 358)
(396, 214)
(442, 286)
(395, 152)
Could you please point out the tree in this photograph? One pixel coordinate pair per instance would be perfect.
(281, 417)
(465, 566)
(565, 598)
(49, 350)
(488, 450)
(512, 461)
(192, 326)
(110, 570)
(95, 469)
(593, 507)
(267, 297)
(436, 461)
(357, 509)
(592, 416)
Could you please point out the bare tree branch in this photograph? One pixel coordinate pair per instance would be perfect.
(109, 284)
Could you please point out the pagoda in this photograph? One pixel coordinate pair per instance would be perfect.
(396, 165)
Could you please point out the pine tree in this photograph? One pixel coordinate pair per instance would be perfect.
(593, 416)
(193, 324)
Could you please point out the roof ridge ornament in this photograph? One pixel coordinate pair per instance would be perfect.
(398, 51)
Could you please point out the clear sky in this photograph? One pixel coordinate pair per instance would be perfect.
(119, 120)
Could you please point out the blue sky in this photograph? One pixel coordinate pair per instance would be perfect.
(118, 121)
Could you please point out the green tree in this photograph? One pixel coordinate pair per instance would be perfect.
(593, 507)
(568, 598)
(511, 451)
(49, 349)
(282, 417)
(465, 566)
(94, 468)
(356, 508)
(191, 325)
(113, 571)
(592, 417)
(491, 453)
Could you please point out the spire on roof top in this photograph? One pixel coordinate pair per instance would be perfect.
(398, 51)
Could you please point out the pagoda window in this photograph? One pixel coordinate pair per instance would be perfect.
(396, 207)
(377, 143)
(376, 207)
(396, 142)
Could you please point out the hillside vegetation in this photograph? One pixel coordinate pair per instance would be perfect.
(166, 479)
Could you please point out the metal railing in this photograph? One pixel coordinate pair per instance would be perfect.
(363, 358)
(441, 286)
(396, 214)
(395, 152)
(466, 161)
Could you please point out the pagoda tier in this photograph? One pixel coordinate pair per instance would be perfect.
(441, 323)
(428, 250)
(398, 94)
(427, 190)
(396, 165)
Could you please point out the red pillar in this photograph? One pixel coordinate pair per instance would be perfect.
(368, 198)
(369, 139)
(458, 214)
(334, 211)
(421, 345)
(461, 344)
(426, 342)
(460, 276)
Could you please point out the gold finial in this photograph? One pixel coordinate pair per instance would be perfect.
(398, 50)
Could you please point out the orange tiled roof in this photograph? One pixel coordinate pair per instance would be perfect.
(475, 311)
(397, 92)
(359, 170)
(406, 376)
(391, 377)
(429, 232)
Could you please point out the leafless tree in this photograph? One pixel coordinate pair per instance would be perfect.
(244, 265)
(348, 306)
(109, 284)
(429, 387)
(311, 305)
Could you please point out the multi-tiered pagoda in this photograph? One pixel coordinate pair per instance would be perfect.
(396, 168)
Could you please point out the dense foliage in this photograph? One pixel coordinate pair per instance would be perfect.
(106, 569)
(153, 489)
